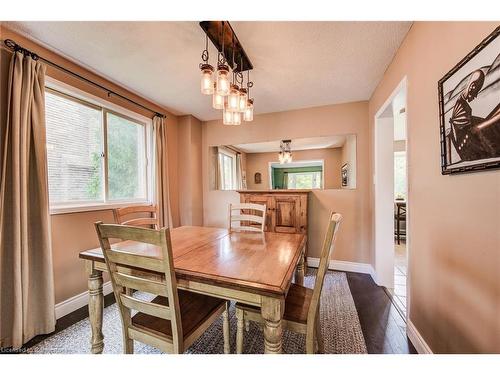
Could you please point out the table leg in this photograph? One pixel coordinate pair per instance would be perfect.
(272, 313)
(300, 270)
(225, 329)
(96, 305)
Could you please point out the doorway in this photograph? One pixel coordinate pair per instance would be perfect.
(391, 197)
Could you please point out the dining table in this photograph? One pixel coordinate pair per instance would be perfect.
(246, 267)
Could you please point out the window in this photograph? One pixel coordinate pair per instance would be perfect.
(95, 156)
(227, 169)
(400, 174)
(304, 180)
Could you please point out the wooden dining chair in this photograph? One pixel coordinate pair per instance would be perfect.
(174, 319)
(148, 216)
(302, 304)
(246, 216)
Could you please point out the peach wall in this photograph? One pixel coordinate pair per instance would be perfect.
(454, 221)
(259, 162)
(72, 233)
(341, 119)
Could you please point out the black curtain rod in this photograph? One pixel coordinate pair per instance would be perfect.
(13, 46)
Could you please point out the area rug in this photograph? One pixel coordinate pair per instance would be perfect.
(339, 323)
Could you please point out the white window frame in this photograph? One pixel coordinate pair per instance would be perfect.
(232, 155)
(108, 107)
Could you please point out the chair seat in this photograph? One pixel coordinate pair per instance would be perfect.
(297, 304)
(194, 309)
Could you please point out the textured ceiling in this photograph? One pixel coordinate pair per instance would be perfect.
(296, 64)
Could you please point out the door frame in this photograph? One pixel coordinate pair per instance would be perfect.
(380, 253)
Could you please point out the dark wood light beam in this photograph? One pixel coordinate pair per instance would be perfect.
(214, 31)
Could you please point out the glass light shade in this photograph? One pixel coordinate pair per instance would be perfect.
(217, 101)
(222, 86)
(236, 118)
(207, 83)
(248, 114)
(233, 100)
(227, 117)
(285, 157)
(242, 103)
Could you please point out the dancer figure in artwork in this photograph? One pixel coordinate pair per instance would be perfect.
(474, 137)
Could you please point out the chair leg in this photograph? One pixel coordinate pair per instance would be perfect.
(225, 329)
(128, 345)
(319, 336)
(239, 330)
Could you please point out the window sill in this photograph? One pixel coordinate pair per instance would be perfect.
(58, 210)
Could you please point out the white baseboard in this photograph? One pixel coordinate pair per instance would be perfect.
(342, 265)
(416, 339)
(74, 303)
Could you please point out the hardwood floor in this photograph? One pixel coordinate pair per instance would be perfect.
(383, 326)
(384, 329)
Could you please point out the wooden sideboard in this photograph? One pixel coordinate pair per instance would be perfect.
(286, 209)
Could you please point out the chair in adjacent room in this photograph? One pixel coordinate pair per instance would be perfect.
(138, 216)
(302, 304)
(174, 318)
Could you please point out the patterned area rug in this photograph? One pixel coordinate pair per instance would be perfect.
(339, 323)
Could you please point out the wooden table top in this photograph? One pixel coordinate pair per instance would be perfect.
(256, 262)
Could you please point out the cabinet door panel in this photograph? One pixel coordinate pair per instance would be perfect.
(287, 214)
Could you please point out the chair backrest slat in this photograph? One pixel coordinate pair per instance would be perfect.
(141, 221)
(140, 283)
(326, 253)
(150, 221)
(117, 261)
(245, 217)
(149, 308)
(130, 233)
(245, 214)
(133, 260)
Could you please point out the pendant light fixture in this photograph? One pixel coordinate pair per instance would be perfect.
(222, 83)
(248, 114)
(285, 154)
(207, 70)
(227, 117)
(236, 118)
(233, 100)
(231, 96)
(217, 100)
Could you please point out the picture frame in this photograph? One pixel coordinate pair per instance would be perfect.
(469, 110)
(257, 178)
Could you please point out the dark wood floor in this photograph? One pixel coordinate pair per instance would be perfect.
(384, 329)
(383, 326)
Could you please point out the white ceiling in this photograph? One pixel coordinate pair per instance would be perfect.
(296, 64)
(296, 145)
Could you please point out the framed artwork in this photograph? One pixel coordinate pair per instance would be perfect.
(257, 178)
(344, 171)
(469, 110)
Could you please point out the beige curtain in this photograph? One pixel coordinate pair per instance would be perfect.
(161, 171)
(239, 171)
(26, 275)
